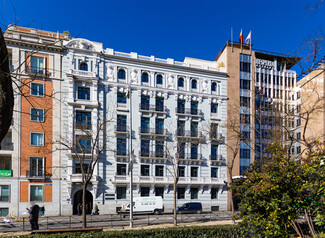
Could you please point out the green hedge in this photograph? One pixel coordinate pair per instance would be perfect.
(177, 232)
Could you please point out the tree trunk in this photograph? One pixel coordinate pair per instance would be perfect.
(231, 198)
(6, 91)
(84, 221)
(175, 214)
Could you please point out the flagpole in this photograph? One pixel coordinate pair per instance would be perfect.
(131, 155)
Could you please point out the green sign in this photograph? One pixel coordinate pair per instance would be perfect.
(5, 173)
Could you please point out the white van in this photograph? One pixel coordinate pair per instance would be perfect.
(144, 205)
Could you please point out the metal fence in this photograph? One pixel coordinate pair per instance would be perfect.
(112, 221)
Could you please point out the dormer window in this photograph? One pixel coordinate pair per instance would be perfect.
(159, 79)
(121, 74)
(145, 78)
(194, 84)
(83, 66)
(180, 82)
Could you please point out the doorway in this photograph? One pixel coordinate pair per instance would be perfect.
(77, 199)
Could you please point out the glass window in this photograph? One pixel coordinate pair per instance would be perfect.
(245, 101)
(214, 193)
(121, 146)
(36, 167)
(78, 170)
(159, 148)
(37, 114)
(194, 106)
(194, 84)
(84, 93)
(181, 106)
(120, 192)
(194, 129)
(245, 67)
(194, 171)
(37, 139)
(121, 98)
(37, 65)
(245, 153)
(36, 193)
(5, 163)
(159, 79)
(214, 152)
(159, 126)
(83, 120)
(83, 66)
(180, 128)
(194, 193)
(159, 104)
(145, 78)
(180, 193)
(180, 82)
(121, 169)
(145, 145)
(213, 86)
(145, 100)
(245, 84)
(37, 89)
(159, 170)
(121, 74)
(181, 150)
(145, 191)
(145, 170)
(4, 212)
(194, 149)
(214, 172)
(83, 144)
(4, 193)
(145, 124)
(181, 171)
(214, 108)
(159, 191)
(121, 123)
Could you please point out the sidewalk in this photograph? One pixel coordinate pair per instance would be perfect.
(210, 223)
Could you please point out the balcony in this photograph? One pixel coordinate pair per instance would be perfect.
(217, 137)
(83, 125)
(157, 132)
(152, 108)
(4, 198)
(188, 112)
(7, 146)
(152, 155)
(122, 106)
(189, 156)
(122, 156)
(37, 174)
(77, 178)
(83, 73)
(188, 134)
(36, 71)
(121, 130)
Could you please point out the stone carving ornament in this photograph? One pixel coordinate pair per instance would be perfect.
(134, 76)
(205, 86)
(110, 73)
(170, 81)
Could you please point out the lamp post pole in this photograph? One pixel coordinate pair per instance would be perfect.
(131, 158)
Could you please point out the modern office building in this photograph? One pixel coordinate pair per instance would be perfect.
(161, 108)
(312, 88)
(261, 91)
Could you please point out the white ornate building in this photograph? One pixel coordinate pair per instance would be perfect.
(174, 106)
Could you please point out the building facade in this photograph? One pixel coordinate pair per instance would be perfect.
(162, 109)
(262, 102)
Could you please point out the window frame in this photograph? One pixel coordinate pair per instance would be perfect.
(43, 165)
(196, 194)
(30, 192)
(118, 74)
(143, 78)
(120, 187)
(83, 63)
(195, 82)
(181, 79)
(83, 87)
(39, 133)
(117, 170)
(31, 67)
(160, 78)
(37, 109)
(38, 92)
(9, 195)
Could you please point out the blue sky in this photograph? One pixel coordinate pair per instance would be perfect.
(172, 28)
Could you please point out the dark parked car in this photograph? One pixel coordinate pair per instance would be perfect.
(190, 207)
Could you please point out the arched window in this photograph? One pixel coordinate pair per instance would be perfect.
(121, 74)
(145, 78)
(83, 66)
(159, 79)
(214, 86)
(180, 82)
(194, 84)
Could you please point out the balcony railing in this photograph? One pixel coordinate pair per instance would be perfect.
(121, 153)
(152, 131)
(217, 136)
(152, 154)
(83, 125)
(83, 73)
(36, 70)
(4, 198)
(188, 111)
(216, 158)
(189, 156)
(37, 174)
(189, 134)
(122, 129)
(152, 108)
(6, 146)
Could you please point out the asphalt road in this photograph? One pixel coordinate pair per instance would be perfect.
(113, 221)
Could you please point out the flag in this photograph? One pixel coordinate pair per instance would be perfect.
(131, 162)
(241, 37)
(248, 38)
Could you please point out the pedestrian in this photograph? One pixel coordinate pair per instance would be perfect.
(33, 216)
(79, 209)
(42, 211)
